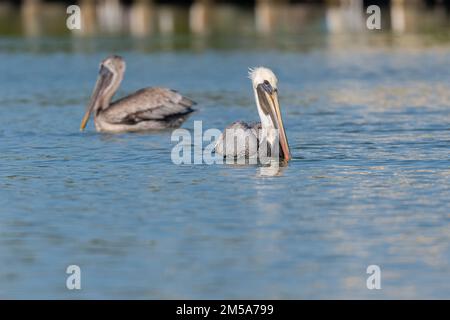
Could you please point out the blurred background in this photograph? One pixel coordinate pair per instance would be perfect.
(199, 24)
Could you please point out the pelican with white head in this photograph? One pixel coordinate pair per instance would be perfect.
(271, 127)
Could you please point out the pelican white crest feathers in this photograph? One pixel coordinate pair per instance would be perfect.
(270, 129)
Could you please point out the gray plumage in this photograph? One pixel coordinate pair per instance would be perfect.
(232, 148)
(263, 139)
(146, 109)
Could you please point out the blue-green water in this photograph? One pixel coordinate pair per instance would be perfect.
(369, 182)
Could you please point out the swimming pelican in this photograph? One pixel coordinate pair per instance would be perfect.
(146, 109)
(270, 130)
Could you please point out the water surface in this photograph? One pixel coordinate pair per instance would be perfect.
(369, 182)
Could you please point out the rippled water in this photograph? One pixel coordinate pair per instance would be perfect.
(369, 182)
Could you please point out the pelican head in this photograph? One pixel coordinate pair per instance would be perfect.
(110, 76)
(265, 87)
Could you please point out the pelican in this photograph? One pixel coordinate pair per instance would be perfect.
(269, 132)
(146, 109)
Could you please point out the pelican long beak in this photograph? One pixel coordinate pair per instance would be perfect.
(268, 99)
(103, 81)
(279, 123)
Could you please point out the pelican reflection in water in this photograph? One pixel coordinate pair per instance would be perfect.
(146, 109)
(268, 133)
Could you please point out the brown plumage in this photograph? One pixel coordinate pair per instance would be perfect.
(146, 109)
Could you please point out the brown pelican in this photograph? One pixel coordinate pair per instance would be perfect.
(269, 132)
(146, 109)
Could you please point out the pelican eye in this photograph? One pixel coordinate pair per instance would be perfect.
(104, 70)
(267, 87)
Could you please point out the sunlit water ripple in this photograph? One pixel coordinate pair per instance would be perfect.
(369, 182)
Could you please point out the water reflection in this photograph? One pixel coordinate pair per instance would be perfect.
(346, 16)
(201, 16)
(272, 169)
(141, 17)
(88, 18)
(111, 16)
(398, 16)
(31, 17)
(372, 187)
